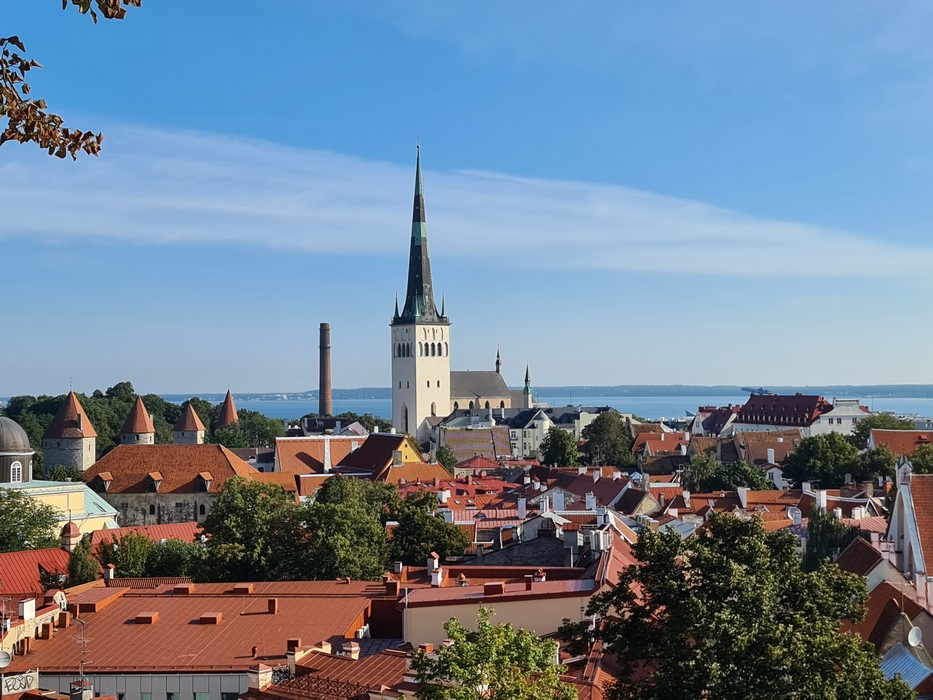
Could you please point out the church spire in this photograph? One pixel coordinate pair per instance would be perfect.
(498, 361)
(419, 299)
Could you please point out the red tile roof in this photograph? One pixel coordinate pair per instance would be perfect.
(385, 668)
(179, 466)
(228, 415)
(772, 409)
(188, 422)
(139, 421)
(859, 557)
(921, 492)
(424, 597)
(69, 417)
(877, 602)
(411, 472)
(312, 611)
(306, 455)
(376, 452)
(21, 572)
(186, 532)
(903, 443)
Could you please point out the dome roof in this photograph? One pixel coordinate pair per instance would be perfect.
(70, 530)
(12, 437)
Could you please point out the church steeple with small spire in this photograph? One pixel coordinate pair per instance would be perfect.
(526, 392)
(420, 335)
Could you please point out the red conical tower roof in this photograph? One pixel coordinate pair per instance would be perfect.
(228, 414)
(138, 422)
(71, 421)
(189, 421)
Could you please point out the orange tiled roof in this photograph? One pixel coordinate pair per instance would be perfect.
(179, 466)
(921, 492)
(185, 532)
(188, 422)
(139, 421)
(228, 415)
(385, 668)
(411, 471)
(860, 557)
(311, 611)
(902, 442)
(306, 455)
(20, 572)
(66, 421)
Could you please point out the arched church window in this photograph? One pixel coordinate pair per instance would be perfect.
(446, 351)
(404, 418)
(408, 385)
(456, 405)
(471, 405)
(502, 404)
(202, 510)
(487, 404)
(438, 383)
(420, 349)
(16, 472)
(433, 350)
(428, 384)
(399, 383)
(433, 409)
(410, 349)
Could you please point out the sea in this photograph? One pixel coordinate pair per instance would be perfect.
(651, 407)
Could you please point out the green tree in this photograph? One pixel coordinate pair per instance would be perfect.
(253, 429)
(730, 614)
(873, 463)
(249, 532)
(174, 558)
(344, 530)
(60, 472)
(82, 566)
(420, 531)
(559, 449)
(446, 456)
(705, 474)
(26, 523)
(609, 441)
(129, 554)
(495, 662)
(27, 119)
(826, 538)
(922, 460)
(372, 423)
(879, 421)
(824, 459)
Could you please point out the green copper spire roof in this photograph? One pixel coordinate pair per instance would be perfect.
(419, 299)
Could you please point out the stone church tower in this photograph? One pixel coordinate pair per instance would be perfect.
(420, 336)
(70, 440)
(138, 428)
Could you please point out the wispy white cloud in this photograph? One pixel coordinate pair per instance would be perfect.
(169, 188)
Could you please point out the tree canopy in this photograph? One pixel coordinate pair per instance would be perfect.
(26, 523)
(420, 531)
(446, 456)
(27, 118)
(730, 614)
(826, 538)
(82, 566)
(609, 441)
(705, 474)
(878, 421)
(495, 662)
(824, 459)
(559, 449)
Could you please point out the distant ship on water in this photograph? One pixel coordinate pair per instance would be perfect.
(760, 391)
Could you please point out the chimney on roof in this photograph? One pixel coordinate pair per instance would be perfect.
(273, 606)
(293, 644)
(771, 455)
(540, 576)
(558, 500)
(821, 499)
(462, 580)
(596, 474)
(529, 580)
(686, 497)
(522, 507)
(426, 648)
(869, 487)
(393, 588)
(590, 500)
(434, 562)
(437, 577)
(81, 690)
(806, 486)
(325, 397)
(397, 567)
(443, 495)
(742, 491)
(351, 649)
(837, 513)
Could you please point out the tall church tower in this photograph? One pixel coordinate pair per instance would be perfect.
(420, 336)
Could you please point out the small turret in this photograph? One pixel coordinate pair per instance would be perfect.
(138, 428)
(228, 415)
(526, 392)
(498, 361)
(189, 430)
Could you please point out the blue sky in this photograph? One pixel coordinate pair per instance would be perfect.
(639, 193)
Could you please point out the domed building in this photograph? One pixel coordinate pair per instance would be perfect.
(15, 453)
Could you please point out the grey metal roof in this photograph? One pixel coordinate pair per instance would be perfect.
(899, 659)
(472, 384)
(12, 437)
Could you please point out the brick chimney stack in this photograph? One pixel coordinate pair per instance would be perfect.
(325, 399)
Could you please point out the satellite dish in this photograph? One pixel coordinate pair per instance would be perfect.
(5, 659)
(915, 637)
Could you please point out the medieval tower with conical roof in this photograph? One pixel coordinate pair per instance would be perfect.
(70, 440)
(420, 336)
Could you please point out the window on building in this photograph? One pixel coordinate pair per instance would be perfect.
(145, 696)
(202, 696)
(151, 510)
(229, 696)
(171, 696)
(429, 384)
(16, 472)
(438, 383)
(202, 510)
